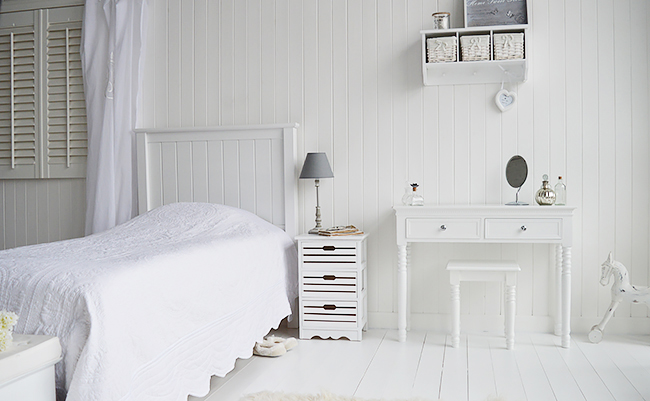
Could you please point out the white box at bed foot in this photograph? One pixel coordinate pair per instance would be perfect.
(27, 368)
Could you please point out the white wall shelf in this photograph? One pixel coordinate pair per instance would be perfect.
(474, 72)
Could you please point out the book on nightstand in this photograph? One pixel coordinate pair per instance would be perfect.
(340, 230)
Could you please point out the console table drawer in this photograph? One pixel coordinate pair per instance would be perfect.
(440, 229)
(523, 229)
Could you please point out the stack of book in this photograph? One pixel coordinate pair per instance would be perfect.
(340, 230)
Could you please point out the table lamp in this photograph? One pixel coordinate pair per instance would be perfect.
(316, 166)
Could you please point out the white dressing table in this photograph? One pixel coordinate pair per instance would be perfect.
(488, 224)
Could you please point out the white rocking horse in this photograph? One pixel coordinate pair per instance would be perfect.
(622, 290)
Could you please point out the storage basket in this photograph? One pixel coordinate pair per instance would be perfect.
(442, 49)
(475, 47)
(508, 46)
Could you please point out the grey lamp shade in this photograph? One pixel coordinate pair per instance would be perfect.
(316, 166)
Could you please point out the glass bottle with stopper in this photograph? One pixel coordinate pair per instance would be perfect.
(545, 196)
(413, 198)
(560, 192)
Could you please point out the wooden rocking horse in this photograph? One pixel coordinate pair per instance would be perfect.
(622, 290)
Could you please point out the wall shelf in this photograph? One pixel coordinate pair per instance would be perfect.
(474, 72)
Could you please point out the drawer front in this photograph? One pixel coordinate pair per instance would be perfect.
(523, 229)
(336, 284)
(329, 253)
(325, 314)
(452, 229)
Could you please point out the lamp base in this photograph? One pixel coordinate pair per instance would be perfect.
(315, 230)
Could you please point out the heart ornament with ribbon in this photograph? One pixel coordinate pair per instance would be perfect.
(505, 100)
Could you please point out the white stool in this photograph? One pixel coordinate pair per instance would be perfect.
(27, 368)
(483, 270)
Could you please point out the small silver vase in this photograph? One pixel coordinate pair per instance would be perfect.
(545, 196)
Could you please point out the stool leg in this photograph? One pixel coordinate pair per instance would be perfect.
(455, 315)
(510, 316)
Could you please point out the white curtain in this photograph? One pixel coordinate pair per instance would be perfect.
(112, 53)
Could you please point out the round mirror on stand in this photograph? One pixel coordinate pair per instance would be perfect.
(516, 173)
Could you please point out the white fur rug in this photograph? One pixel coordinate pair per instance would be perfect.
(323, 396)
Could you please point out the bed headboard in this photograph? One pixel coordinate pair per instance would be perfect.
(252, 167)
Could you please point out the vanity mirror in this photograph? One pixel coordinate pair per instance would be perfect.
(516, 173)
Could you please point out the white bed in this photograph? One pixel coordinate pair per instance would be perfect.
(151, 309)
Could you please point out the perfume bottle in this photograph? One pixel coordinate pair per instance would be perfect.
(545, 196)
(413, 198)
(560, 192)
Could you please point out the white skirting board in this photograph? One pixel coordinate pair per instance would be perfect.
(542, 324)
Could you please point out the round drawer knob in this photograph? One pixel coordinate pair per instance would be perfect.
(524, 228)
(443, 227)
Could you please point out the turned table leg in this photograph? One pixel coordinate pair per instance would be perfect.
(510, 311)
(455, 314)
(566, 296)
(558, 290)
(402, 284)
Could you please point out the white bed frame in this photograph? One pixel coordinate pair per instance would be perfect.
(252, 167)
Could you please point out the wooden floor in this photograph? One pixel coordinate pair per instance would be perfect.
(380, 367)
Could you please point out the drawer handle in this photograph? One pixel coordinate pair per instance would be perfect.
(329, 307)
(329, 277)
(329, 248)
(443, 227)
(524, 228)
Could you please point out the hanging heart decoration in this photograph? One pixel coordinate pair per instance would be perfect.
(505, 100)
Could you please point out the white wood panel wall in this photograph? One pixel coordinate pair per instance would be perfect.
(37, 211)
(349, 72)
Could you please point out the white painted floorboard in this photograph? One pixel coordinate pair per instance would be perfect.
(379, 367)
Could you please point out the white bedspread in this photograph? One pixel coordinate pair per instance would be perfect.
(150, 309)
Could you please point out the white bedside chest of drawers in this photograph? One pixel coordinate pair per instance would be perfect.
(333, 294)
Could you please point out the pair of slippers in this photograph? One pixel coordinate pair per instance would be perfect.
(274, 346)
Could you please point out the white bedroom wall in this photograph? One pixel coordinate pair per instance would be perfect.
(349, 73)
(37, 211)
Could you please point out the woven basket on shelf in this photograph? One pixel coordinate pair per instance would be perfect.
(442, 49)
(475, 47)
(508, 46)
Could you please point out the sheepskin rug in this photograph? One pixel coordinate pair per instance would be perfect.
(323, 396)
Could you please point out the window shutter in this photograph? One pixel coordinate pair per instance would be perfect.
(65, 136)
(18, 82)
(43, 130)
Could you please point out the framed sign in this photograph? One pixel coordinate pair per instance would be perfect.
(495, 12)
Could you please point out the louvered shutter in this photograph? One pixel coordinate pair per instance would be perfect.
(18, 102)
(43, 130)
(65, 137)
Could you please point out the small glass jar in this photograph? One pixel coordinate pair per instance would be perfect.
(545, 196)
(413, 198)
(440, 20)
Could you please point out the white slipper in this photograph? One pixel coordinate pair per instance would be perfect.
(288, 343)
(269, 348)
